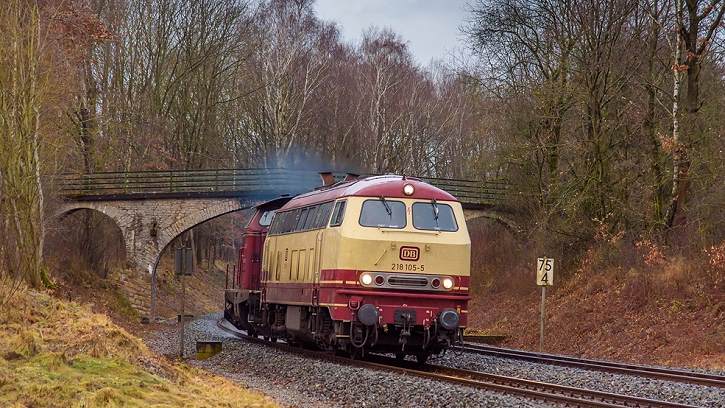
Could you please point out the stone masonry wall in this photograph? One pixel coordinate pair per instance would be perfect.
(148, 226)
(136, 285)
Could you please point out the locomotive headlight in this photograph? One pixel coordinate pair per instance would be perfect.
(447, 283)
(408, 189)
(366, 279)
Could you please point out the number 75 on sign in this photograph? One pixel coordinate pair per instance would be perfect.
(545, 271)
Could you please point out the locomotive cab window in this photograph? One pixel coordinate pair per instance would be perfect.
(382, 213)
(266, 218)
(339, 214)
(434, 216)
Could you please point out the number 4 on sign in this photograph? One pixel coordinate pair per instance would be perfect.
(545, 271)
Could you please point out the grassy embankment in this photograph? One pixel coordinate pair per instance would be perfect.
(59, 353)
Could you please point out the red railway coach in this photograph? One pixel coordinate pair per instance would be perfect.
(373, 264)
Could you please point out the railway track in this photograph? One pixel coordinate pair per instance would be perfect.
(570, 396)
(660, 373)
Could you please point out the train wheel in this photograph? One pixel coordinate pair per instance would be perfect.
(400, 357)
(422, 357)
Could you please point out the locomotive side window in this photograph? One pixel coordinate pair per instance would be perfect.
(311, 218)
(276, 222)
(283, 222)
(323, 215)
(339, 214)
(433, 216)
(303, 218)
(382, 213)
(290, 221)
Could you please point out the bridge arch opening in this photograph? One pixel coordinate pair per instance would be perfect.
(233, 217)
(216, 241)
(83, 240)
(495, 216)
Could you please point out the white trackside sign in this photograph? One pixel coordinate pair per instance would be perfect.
(545, 271)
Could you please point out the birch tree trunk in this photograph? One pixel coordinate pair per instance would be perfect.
(679, 153)
(695, 34)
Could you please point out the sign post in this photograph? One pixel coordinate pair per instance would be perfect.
(184, 265)
(544, 278)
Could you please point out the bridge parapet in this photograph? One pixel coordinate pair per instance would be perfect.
(248, 183)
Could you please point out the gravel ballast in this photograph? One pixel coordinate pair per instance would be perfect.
(644, 387)
(295, 380)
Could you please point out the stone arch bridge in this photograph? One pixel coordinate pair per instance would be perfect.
(152, 208)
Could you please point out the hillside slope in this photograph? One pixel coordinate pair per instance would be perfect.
(671, 312)
(59, 353)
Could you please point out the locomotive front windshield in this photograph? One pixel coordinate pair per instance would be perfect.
(383, 213)
(434, 216)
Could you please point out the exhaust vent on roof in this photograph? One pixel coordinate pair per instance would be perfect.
(351, 177)
(328, 178)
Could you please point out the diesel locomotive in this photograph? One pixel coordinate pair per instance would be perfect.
(377, 264)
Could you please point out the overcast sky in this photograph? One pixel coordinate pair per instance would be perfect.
(431, 27)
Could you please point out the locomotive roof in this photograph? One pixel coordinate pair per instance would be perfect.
(388, 186)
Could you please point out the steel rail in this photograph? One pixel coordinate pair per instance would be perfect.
(571, 396)
(661, 373)
(609, 399)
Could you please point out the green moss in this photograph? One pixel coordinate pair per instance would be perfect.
(49, 380)
(123, 305)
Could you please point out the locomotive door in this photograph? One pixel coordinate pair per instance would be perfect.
(269, 269)
(316, 268)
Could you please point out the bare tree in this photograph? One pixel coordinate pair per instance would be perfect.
(289, 65)
(527, 47)
(22, 86)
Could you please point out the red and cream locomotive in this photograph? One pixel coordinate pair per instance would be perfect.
(376, 264)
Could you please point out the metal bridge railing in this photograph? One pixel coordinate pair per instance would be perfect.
(233, 181)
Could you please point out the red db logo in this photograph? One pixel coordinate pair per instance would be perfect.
(409, 253)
